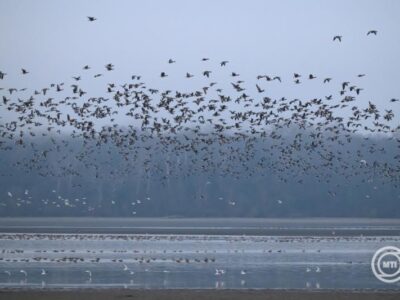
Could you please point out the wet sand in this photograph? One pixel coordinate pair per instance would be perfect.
(110, 294)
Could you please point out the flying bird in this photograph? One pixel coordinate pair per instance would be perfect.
(337, 37)
(375, 32)
(219, 272)
(207, 73)
(109, 67)
(91, 19)
(259, 89)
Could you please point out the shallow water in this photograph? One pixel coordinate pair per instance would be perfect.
(190, 261)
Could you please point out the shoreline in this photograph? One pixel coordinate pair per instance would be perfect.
(204, 226)
(195, 294)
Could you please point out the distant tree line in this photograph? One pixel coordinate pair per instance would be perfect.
(179, 185)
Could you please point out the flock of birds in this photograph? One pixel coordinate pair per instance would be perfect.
(339, 37)
(130, 261)
(233, 128)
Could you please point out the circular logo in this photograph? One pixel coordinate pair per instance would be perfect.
(385, 264)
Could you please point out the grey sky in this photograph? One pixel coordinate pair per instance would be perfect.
(53, 40)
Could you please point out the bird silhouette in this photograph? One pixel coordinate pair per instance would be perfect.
(337, 37)
(259, 89)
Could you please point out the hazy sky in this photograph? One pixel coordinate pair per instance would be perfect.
(54, 40)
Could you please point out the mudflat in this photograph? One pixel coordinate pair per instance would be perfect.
(109, 294)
